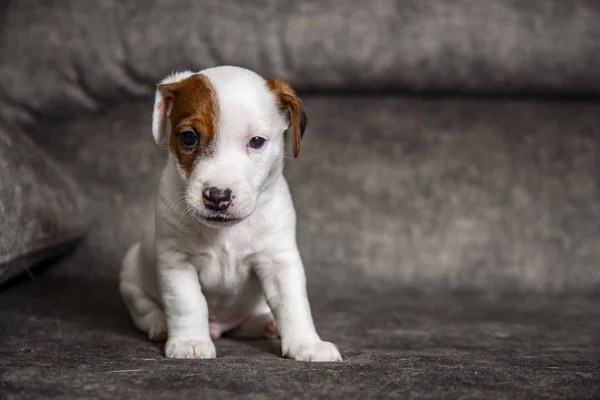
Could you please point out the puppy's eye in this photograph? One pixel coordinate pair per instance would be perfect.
(257, 142)
(189, 138)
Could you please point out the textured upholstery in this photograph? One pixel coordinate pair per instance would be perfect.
(456, 254)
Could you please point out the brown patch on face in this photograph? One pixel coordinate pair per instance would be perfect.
(290, 103)
(194, 108)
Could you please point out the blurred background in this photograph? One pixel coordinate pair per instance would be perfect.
(452, 146)
(435, 132)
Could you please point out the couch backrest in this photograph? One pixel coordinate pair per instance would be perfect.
(64, 57)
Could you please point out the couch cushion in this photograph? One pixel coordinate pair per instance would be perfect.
(41, 208)
(463, 194)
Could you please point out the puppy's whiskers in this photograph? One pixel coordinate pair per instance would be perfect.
(169, 206)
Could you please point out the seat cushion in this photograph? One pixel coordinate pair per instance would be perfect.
(76, 341)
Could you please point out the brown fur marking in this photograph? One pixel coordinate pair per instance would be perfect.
(291, 104)
(194, 108)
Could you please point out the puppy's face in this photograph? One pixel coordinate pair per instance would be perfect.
(227, 137)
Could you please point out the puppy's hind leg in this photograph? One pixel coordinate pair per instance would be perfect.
(145, 312)
(261, 325)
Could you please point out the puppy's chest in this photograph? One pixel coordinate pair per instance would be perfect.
(224, 268)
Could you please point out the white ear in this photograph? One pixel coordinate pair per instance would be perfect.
(163, 103)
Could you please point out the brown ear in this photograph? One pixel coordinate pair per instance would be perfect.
(291, 104)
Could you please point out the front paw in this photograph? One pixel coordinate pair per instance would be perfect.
(312, 351)
(190, 348)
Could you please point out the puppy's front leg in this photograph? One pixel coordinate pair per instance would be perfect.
(284, 284)
(185, 310)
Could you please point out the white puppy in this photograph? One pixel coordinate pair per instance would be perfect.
(220, 254)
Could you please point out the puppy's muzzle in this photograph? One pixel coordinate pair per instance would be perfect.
(216, 199)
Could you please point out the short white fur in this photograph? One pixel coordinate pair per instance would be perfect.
(192, 279)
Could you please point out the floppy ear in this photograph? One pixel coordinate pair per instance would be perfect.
(292, 106)
(163, 104)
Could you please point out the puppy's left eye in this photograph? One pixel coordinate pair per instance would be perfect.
(257, 142)
(189, 138)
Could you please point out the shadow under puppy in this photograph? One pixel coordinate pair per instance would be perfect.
(220, 253)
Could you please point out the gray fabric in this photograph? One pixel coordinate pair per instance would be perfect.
(60, 58)
(496, 196)
(402, 202)
(41, 208)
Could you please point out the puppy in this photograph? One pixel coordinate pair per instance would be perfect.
(220, 253)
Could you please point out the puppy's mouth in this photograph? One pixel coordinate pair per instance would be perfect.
(220, 220)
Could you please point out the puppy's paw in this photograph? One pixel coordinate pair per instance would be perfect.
(270, 330)
(158, 330)
(190, 348)
(312, 351)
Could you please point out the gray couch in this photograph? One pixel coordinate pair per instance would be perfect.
(457, 143)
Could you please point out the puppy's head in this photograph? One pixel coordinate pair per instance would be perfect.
(227, 137)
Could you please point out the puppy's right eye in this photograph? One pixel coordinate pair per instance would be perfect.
(189, 138)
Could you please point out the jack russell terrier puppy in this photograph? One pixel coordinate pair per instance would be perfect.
(220, 253)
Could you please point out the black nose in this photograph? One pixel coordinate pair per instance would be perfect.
(216, 199)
